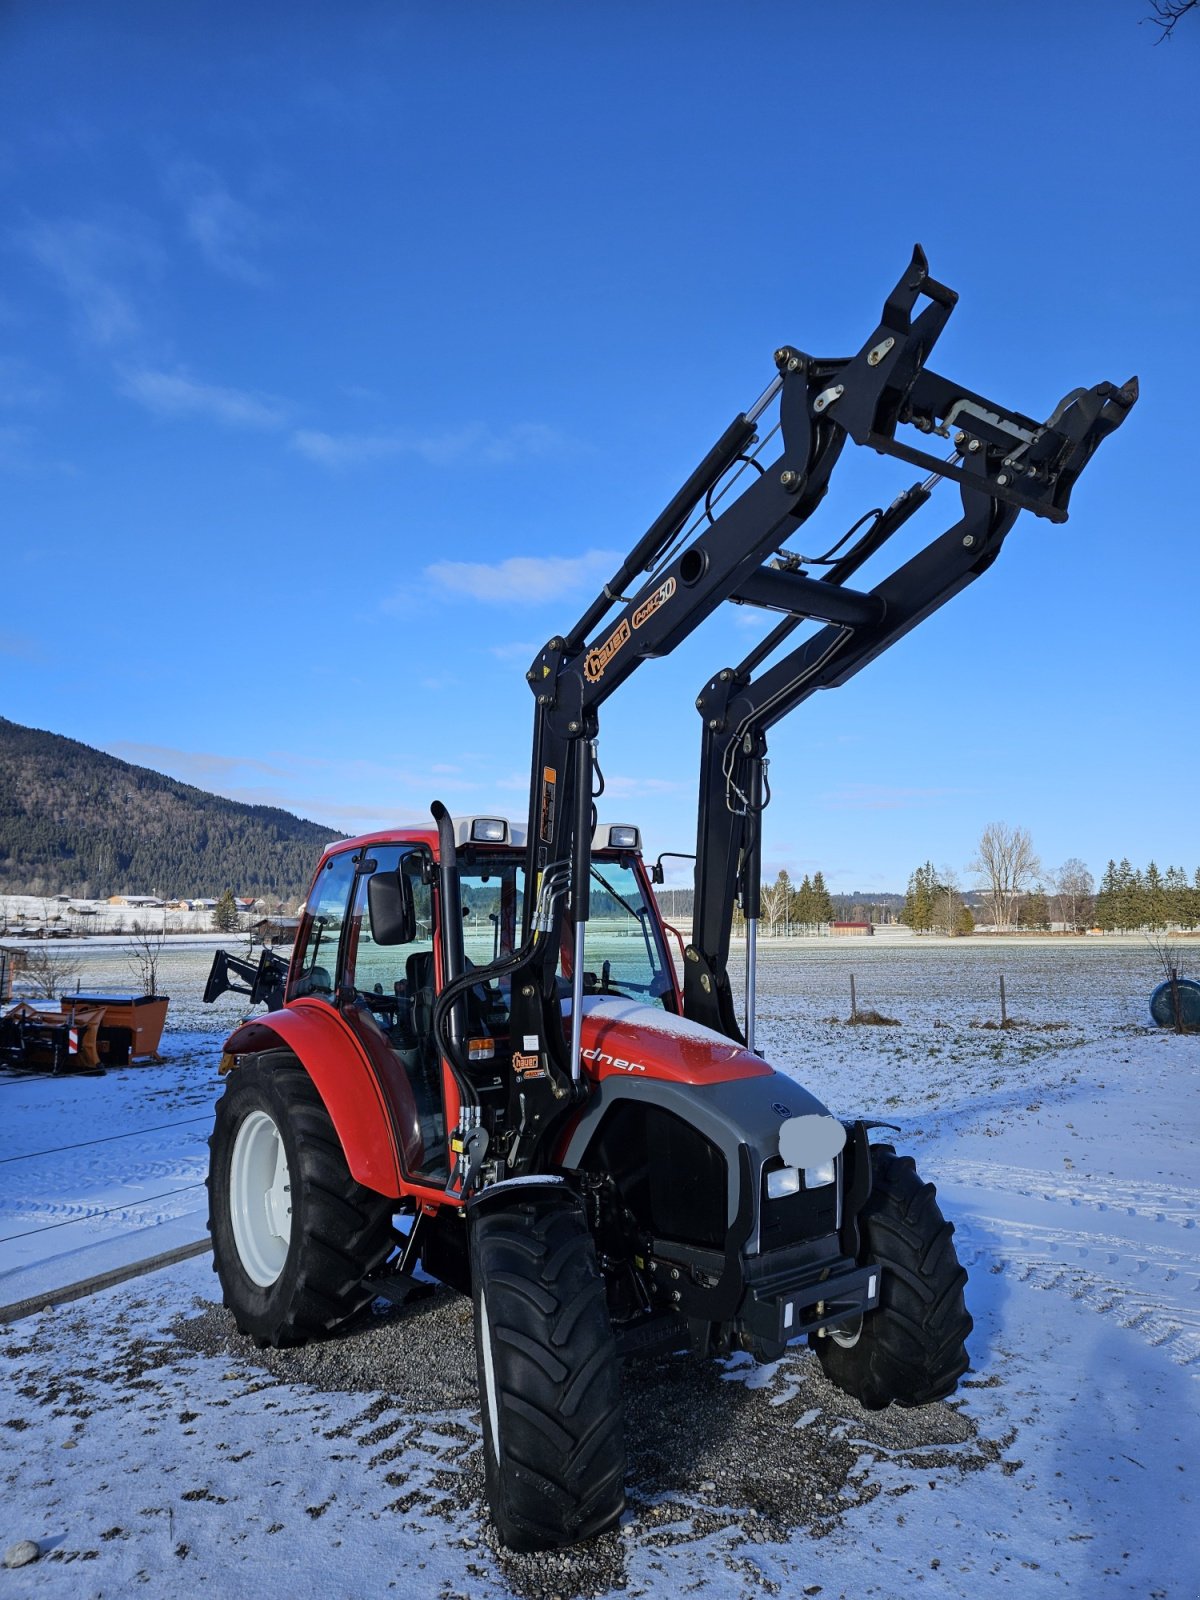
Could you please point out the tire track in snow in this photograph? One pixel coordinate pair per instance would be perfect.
(1159, 1202)
(1151, 1289)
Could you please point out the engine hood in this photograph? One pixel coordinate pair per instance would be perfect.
(625, 1039)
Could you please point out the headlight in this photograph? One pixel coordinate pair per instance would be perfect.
(783, 1181)
(818, 1177)
(624, 839)
(489, 830)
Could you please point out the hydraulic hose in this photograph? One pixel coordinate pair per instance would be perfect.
(447, 1015)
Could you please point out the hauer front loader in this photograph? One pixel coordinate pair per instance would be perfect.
(481, 1061)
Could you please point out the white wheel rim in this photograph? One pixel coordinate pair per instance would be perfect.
(491, 1409)
(260, 1199)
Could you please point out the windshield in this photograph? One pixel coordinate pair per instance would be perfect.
(623, 952)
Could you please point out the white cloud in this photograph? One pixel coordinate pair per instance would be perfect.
(22, 388)
(189, 766)
(531, 579)
(473, 442)
(19, 645)
(514, 652)
(883, 797)
(171, 394)
(16, 445)
(619, 787)
(92, 263)
(227, 232)
(20, 452)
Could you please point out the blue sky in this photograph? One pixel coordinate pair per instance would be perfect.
(343, 349)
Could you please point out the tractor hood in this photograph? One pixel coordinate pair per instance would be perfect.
(627, 1038)
(729, 1095)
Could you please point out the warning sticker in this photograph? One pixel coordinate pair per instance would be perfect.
(546, 822)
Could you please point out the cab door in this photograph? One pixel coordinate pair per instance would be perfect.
(385, 994)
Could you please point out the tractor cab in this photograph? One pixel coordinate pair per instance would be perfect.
(374, 947)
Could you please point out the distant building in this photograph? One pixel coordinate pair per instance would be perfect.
(139, 900)
(848, 929)
(276, 930)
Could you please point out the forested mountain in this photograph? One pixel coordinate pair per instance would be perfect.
(76, 821)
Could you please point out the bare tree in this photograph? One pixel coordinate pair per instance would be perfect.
(1164, 14)
(1171, 959)
(1005, 861)
(1074, 888)
(145, 950)
(46, 972)
(947, 902)
(774, 898)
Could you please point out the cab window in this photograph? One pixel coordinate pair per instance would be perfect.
(316, 961)
(623, 952)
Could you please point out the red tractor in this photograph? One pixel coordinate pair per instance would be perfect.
(481, 1060)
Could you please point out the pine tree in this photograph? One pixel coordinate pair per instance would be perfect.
(1034, 912)
(225, 914)
(1177, 896)
(1106, 900)
(1128, 897)
(802, 903)
(919, 901)
(1154, 900)
(822, 900)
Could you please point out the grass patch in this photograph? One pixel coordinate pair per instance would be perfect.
(1012, 1024)
(871, 1019)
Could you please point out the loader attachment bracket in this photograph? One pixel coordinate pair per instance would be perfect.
(887, 385)
(263, 981)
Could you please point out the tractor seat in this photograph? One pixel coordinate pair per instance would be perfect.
(316, 982)
(418, 976)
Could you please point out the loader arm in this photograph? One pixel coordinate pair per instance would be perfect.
(696, 557)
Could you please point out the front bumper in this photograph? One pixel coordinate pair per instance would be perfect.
(790, 1301)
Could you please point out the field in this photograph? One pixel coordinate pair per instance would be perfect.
(142, 1443)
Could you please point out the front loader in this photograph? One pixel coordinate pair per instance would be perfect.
(483, 1063)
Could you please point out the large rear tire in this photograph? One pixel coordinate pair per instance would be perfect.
(294, 1235)
(549, 1376)
(911, 1349)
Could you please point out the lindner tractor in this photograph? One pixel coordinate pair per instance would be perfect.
(481, 1060)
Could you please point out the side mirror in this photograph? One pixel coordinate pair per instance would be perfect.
(390, 908)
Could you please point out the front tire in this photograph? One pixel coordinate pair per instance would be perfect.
(294, 1236)
(549, 1377)
(911, 1349)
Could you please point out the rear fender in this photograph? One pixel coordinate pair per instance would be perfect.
(337, 1064)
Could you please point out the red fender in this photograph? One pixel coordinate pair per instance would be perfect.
(367, 1094)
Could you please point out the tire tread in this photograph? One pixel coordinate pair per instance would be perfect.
(912, 1349)
(561, 1473)
(341, 1231)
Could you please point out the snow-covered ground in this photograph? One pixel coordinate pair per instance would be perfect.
(144, 1445)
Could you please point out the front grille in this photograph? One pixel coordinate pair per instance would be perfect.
(810, 1214)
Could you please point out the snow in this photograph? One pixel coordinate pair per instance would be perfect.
(144, 1445)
